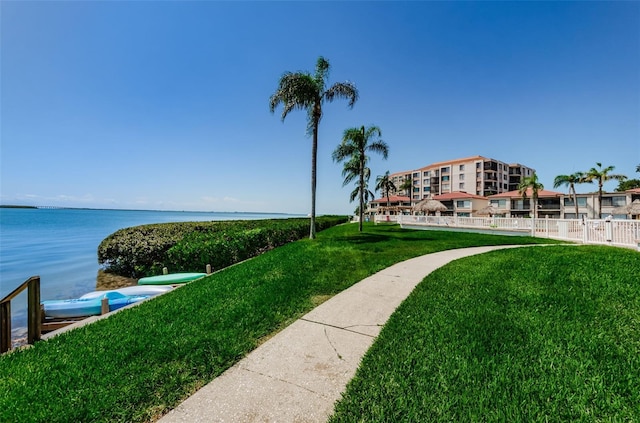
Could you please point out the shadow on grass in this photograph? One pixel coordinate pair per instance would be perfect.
(371, 237)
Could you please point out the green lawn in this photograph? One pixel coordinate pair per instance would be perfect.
(545, 334)
(141, 362)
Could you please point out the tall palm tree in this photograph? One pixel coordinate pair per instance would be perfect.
(303, 91)
(356, 142)
(535, 185)
(384, 184)
(602, 175)
(570, 180)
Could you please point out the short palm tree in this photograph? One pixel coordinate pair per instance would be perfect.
(407, 186)
(534, 184)
(602, 175)
(384, 184)
(367, 195)
(301, 90)
(570, 180)
(356, 142)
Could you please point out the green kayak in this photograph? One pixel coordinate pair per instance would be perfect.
(172, 278)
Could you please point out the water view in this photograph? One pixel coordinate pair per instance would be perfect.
(60, 245)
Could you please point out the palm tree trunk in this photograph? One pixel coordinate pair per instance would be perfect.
(599, 199)
(314, 159)
(575, 199)
(361, 195)
(361, 188)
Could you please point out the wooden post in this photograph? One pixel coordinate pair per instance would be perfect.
(165, 271)
(34, 321)
(104, 306)
(5, 326)
(208, 269)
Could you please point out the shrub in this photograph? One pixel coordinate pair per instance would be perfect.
(189, 246)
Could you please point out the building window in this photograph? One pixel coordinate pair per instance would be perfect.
(614, 201)
(463, 204)
(582, 202)
(445, 169)
(445, 178)
(500, 204)
(461, 177)
(416, 174)
(461, 186)
(445, 187)
(461, 168)
(426, 173)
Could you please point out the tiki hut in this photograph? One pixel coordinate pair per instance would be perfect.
(632, 209)
(488, 211)
(429, 205)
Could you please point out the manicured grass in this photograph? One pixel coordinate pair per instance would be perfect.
(141, 362)
(519, 335)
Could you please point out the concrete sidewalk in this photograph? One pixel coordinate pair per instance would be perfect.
(300, 373)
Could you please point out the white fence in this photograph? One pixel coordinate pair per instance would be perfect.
(624, 233)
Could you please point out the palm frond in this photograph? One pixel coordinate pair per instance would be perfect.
(343, 151)
(354, 194)
(379, 147)
(322, 73)
(295, 91)
(346, 90)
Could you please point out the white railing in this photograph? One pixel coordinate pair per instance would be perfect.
(384, 218)
(625, 233)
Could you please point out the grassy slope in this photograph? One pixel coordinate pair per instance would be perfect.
(542, 334)
(141, 362)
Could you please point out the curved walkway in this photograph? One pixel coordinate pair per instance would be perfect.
(300, 373)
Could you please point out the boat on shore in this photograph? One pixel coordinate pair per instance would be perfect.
(135, 290)
(81, 307)
(171, 278)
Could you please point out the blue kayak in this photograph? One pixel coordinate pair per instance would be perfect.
(80, 307)
(172, 278)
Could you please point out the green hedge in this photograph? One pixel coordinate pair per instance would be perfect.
(189, 246)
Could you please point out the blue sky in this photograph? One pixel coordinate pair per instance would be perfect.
(165, 104)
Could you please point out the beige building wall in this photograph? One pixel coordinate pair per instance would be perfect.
(475, 175)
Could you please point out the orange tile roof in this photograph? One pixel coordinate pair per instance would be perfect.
(456, 195)
(455, 161)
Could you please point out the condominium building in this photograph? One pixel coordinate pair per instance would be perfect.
(474, 175)
(550, 204)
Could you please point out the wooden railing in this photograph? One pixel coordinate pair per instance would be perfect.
(34, 319)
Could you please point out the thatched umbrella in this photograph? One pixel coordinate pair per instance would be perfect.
(632, 209)
(429, 205)
(488, 211)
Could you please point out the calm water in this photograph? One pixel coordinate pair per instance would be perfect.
(60, 245)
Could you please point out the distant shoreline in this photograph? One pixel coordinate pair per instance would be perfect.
(12, 206)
